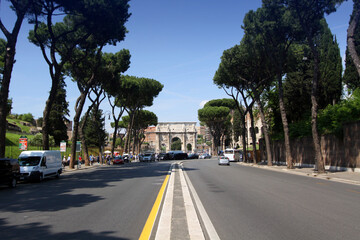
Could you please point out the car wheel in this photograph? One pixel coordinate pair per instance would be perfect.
(41, 177)
(13, 183)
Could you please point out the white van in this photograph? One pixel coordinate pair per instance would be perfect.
(37, 165)
(233, 154)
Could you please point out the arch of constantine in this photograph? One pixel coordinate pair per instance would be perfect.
(167, 132)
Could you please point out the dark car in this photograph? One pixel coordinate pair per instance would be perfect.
(118, 160)
(163, 156)
(9, 171)
(193, 156)
(180, 156)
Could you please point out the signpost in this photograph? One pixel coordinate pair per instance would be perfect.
(78, 146)
(23, 143)
(62, 146)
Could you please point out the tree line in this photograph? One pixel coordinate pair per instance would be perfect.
(71, 36)
(288, 66)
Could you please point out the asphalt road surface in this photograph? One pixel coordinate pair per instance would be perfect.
(113, 202)
(110, 202)
(251, 203)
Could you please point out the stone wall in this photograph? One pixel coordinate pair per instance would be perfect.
(337, 152)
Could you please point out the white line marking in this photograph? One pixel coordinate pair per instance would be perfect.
(164, 227)
(195, 230)
(210, 229)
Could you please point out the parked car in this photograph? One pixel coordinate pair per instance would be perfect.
(193, 156)
(37, 165)
(224, 160)
(118, 160)
(9, 171)
(163, 156)
(148, 157)
(205, 155)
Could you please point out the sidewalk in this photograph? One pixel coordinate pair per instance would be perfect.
(337, 176)
(67, 169)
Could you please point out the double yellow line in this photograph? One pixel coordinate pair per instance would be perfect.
(146, 232)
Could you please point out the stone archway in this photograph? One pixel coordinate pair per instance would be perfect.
(167, 131)
(175, 144)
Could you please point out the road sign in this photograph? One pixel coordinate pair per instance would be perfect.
(78, 146)
(23, 143)
(62, 146)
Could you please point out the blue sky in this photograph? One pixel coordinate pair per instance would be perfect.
(178, 43)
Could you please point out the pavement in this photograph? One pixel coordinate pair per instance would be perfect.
(182, 212)
(347, 176)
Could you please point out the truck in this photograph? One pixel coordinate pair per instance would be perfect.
(37, 165)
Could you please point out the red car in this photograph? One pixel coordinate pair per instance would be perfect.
(118, 160)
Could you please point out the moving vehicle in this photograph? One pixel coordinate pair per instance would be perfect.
(37, 165)
(118, 160)
(9, 171)
(224, 160)
(204, 156)
(234, 155)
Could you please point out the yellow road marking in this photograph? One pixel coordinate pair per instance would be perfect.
(146, 232)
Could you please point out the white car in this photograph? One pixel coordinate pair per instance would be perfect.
(224, 160)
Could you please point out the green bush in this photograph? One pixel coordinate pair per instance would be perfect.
(333, 117)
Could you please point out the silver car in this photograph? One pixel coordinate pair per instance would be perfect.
(224, 160)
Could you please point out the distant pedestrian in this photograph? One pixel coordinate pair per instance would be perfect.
(91, 159)
(79, 162)
(64, 161)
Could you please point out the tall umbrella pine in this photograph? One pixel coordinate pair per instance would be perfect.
(101, 22)
(145, 90)
(21, 9)
(216, 119)
(247, 67)
(308, 14)
(353, 36)
(91, 68)
(275, 29)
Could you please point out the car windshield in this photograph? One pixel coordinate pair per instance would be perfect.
(147, 155)
(29, 161)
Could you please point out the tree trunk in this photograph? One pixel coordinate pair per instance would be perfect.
(5, 83)
(82, 137)
(289, 159)
(351, 38)
(320, 165)
(265, 128)
(78, 109)
(253, 136)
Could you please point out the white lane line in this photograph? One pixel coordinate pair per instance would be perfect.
(164, 227)
(195, 230)
(210, 229)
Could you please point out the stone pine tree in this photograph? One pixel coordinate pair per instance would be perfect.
(21, 9)
(217, 119)
(85, 24)
(309, 13)
(58, 115)
(352, 73)
(353, 36)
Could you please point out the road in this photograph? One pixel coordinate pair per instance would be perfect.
(114, 202)
(250, 203)
(110, 202)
